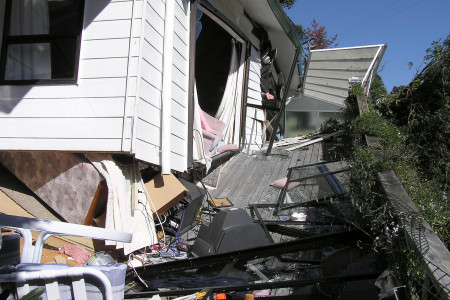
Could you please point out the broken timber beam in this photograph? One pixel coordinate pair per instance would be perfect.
(322, 138)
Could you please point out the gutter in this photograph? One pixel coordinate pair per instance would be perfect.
(285, 22)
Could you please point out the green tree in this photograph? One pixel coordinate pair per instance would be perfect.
(318, 36)
(377, 89)
(287, 3)
(422, 110)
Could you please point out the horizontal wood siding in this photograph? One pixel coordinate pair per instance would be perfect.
(254, 125)
(179, 107)
(89, 115)
(147, 142)
(149, 106)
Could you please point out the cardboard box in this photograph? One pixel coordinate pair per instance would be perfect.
(165, 191)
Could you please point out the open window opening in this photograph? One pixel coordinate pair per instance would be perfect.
(219, 67)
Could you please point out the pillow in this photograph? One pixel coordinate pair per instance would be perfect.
(227, 147)
(205, 124)
(280, 183)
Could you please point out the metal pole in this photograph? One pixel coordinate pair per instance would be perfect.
(283, 102)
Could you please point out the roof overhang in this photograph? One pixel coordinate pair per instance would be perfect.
(328, 72)
(282, 34)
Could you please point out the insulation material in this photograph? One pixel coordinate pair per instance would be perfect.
(119, 214)
(64, 181)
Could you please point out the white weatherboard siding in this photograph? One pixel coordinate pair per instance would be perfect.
(329, 70)
(89, 115)
(116, 104)
(254, 116)
(147, 142)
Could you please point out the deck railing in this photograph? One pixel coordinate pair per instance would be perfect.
(420, 237)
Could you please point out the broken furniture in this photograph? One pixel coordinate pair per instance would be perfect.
(32, 254)
(213, 132)
(232, 229)
(66, 282)
(30, 269)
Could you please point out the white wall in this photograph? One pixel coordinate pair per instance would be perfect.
(116, 103)
(147, 142)
(254, 116)
(89, 115)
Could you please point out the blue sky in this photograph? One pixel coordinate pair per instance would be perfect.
(408, 27)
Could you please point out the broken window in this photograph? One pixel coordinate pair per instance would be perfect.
(218, 87)
(314, 182)
(41, 40)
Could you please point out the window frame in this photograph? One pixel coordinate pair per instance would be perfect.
(8, 40)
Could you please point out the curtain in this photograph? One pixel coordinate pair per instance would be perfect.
(32, 60)
(227, 107)
(199, 150)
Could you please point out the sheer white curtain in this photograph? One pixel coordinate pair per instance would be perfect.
(29, 61)
(227, 109)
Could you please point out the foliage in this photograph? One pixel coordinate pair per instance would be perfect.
(422, 111)
(365, 193)
(300, 31)
(319, 36)
(287, 3)
(412, 127)
(429, 196)
(356, 89)
(35, 294)
(377, 89)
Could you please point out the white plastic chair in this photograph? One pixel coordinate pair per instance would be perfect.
(30, 269)
(32, 254)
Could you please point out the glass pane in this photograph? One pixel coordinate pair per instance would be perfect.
(29, 17)
(63, 58)
(2, 17)
(301, 123)
(315, 182)
(33, 17)
(28, 62)
(64, 16)
(324, 116)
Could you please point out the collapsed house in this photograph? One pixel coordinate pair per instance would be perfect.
(109, 110)
(93, 93)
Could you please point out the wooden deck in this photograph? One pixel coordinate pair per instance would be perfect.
(246, 179)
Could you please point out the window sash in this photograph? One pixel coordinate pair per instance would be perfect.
(64, 60)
